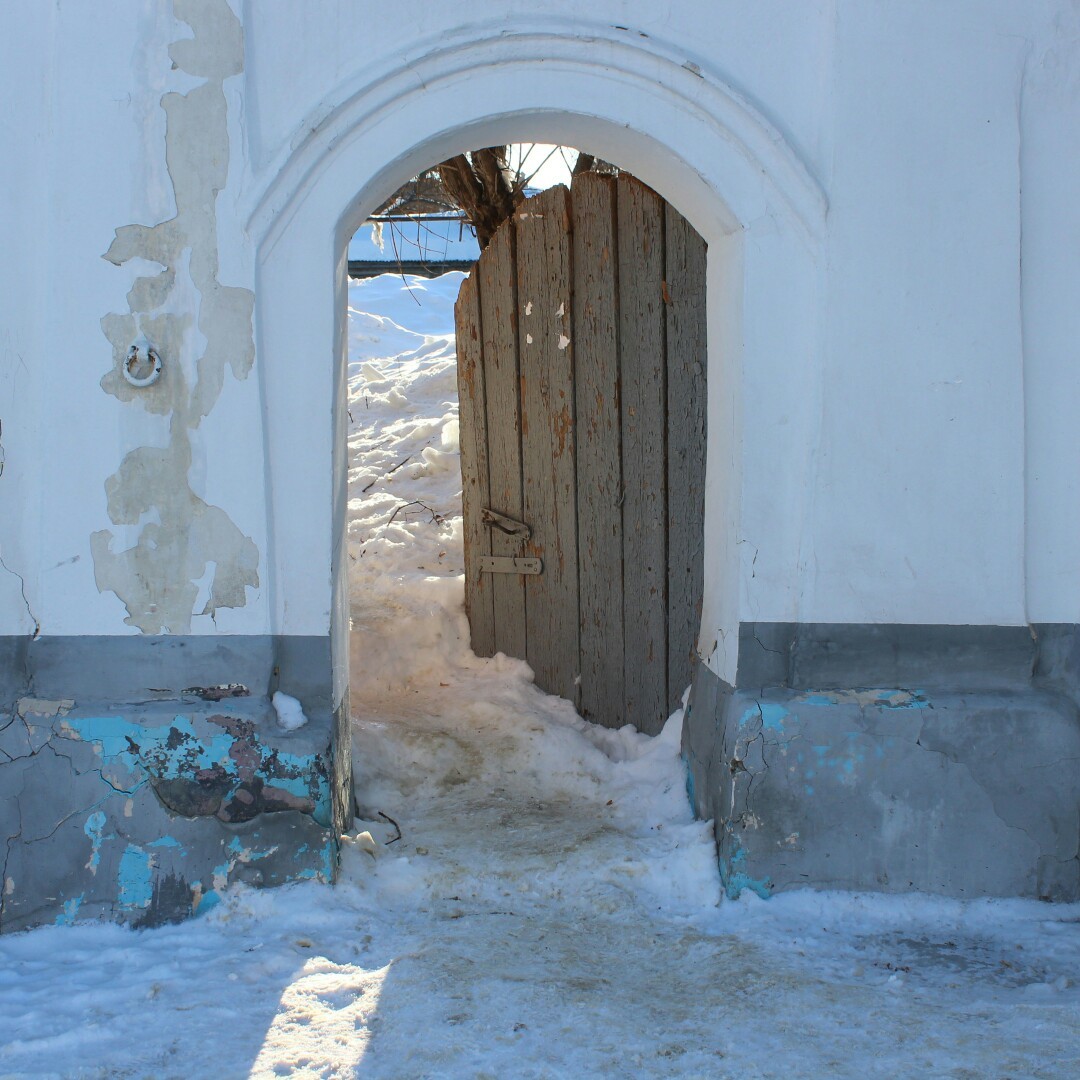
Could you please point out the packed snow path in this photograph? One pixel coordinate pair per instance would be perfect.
(550, 908)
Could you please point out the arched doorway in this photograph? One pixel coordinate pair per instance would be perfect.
(685, 134)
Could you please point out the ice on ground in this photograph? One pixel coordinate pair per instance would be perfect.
(524, 894)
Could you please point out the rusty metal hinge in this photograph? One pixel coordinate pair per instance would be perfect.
(507, 564)
(506, 524)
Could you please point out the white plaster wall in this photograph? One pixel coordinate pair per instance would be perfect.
(23, 164)
(72, 162)
(84, 142)
(903, 444)
(919, 490)
(1049, 162)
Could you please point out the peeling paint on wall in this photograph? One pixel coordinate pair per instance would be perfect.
(181, 537)
(222, 769)
(146, 817)
(134, 878)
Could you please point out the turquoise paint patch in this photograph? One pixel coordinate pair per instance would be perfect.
(95, 824)
(166, 841)
(134, 878)
(247, 855)
(71, 910)
(734, 877)
(768, 713)
(840, 760)
(739, 881)
(689, 784)
(772, 716)
(208, 902)
(156, 747)
(330, 853)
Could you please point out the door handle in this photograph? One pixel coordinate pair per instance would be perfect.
(505, 524)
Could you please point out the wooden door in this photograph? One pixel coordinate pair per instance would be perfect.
(581, 371)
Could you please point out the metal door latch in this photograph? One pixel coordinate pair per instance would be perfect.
(508, 564)
(505, 524)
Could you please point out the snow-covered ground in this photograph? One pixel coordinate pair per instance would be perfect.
(551, 909)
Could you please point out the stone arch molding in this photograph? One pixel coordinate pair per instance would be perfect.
(632, 100)
(631, 74)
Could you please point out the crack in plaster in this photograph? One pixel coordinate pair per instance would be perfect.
(993, 795)
(36, 632)
(986, 790)
(763, 646)
(156, 579)
(74, 813)
(75, 771)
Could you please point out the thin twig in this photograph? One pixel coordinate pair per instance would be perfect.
(387, 817)
(390, 473)
(397, 258)
(436, 517)
(528, 179)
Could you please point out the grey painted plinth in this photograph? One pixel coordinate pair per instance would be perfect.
(962, 792)
(143, 813)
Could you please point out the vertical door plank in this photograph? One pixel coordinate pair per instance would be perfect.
(474, 463)
(599, 479)
(686, 359)
(644, 429)
(547, 437)
(498, 299)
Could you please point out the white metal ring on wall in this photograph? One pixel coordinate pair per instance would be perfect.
(142, 366)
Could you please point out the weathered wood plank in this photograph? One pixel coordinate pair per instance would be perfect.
(474, 464)
(498, 301)
(644, 430)
(599, 472)
(686, 412)
(546, 364)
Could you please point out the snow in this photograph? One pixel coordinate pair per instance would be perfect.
(290, 712)
(524, 894)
